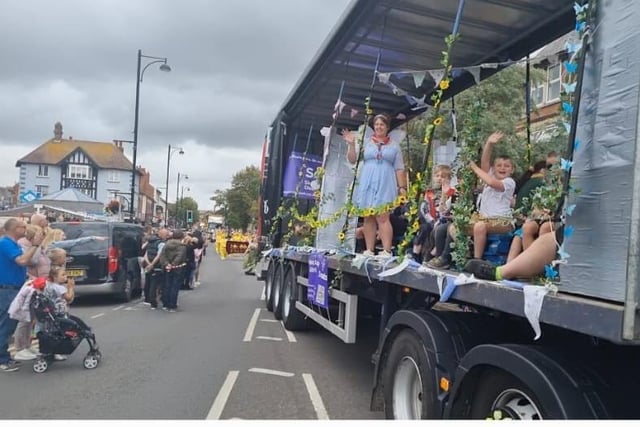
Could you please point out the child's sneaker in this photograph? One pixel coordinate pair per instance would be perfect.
(10, 366)
(481, 269)
(385, 254)
(438, 262)
(368, 253)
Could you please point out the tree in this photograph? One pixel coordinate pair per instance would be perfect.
(187, 204)
(504, 94)
(239, 204)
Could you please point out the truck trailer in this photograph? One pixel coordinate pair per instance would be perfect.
(449, 350)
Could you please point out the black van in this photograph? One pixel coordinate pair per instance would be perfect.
(102, 257)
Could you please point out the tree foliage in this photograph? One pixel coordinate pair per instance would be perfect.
(239, 204)
(504, 95)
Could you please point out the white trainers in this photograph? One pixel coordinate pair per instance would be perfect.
(59, 357)
(34, 351)
(24, 354)
(368, 253)
(385, 254)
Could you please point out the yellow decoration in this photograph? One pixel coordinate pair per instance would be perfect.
(444, 84)
(341, 236)
(437, 121)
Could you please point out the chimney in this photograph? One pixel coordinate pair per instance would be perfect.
(57, 132)
(118, 145)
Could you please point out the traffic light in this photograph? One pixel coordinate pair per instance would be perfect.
(189, 217)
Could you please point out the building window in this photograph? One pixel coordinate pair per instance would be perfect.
(43, 170)
(548, 91)
(42, 190)
(553, 81)
(113, 176)
(79, 171)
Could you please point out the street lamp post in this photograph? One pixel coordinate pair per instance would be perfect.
(170, 152)
(182, 199)
(139, 76)
(184, 176)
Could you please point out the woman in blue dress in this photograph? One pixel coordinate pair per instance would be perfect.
(381, 178)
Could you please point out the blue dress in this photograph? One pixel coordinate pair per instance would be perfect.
(376, 184)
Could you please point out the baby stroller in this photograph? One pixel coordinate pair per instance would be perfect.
(61, 335)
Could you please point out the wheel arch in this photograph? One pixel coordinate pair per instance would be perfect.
(561, 390)
(435, 336)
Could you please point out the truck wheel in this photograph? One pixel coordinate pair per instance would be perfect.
(408, 380)
(276, 292)
(292, 319)
(502, 396)
(268, 286)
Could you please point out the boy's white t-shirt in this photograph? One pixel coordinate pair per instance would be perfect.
(494, 203)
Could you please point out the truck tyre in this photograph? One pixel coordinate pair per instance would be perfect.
(268, 285)
(276, 290)
(408, 380)
(502, 396)
(292, 319)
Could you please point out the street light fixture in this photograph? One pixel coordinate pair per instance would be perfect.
(139, 76)
(170, 152)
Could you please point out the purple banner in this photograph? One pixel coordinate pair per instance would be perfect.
(307, 164)
(318, 290)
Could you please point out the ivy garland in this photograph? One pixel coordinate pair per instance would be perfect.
(422, 181)
(464, 206)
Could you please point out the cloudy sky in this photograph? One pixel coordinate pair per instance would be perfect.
(233, 63)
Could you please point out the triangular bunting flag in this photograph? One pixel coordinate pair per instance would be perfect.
(384, 77)
(354, 113)
(437, 76)
(475, 72)
(418, 77)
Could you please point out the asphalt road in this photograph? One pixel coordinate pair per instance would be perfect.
(221, 356)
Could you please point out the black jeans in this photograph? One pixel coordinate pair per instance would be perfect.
(155, 282)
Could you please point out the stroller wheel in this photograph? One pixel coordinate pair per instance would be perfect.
(40, 365)
(91, 361)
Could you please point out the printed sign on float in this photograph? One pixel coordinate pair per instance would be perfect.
(306, 185)
(318, 290)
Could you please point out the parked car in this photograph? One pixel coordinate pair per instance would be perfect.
(102, 257)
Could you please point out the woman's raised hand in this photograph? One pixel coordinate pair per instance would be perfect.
(348, 136)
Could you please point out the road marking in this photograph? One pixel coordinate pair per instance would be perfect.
(118, 308)
(264, 294)
(269, 320)
(272, 372)
(290, 336)
(252, 325)
(269, 338)
(223, 396)
(97, 315)
(316, 400)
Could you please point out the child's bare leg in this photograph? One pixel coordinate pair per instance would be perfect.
(515, 249)
(530, 231)
(480, 230)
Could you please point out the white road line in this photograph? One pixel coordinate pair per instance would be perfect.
(252, 326)
(269, 320)
(118, 308)
(272, 372)
(264, 294)
(316, 400)
(223, 396)
(97, 315)
(269, 338)
(290, 336)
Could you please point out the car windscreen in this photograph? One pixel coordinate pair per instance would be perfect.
(83, 238)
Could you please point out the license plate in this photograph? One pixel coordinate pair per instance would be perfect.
(75, 273)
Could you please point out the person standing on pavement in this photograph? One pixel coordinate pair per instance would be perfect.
(13, 274)
(173, 260)
(154, 274)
